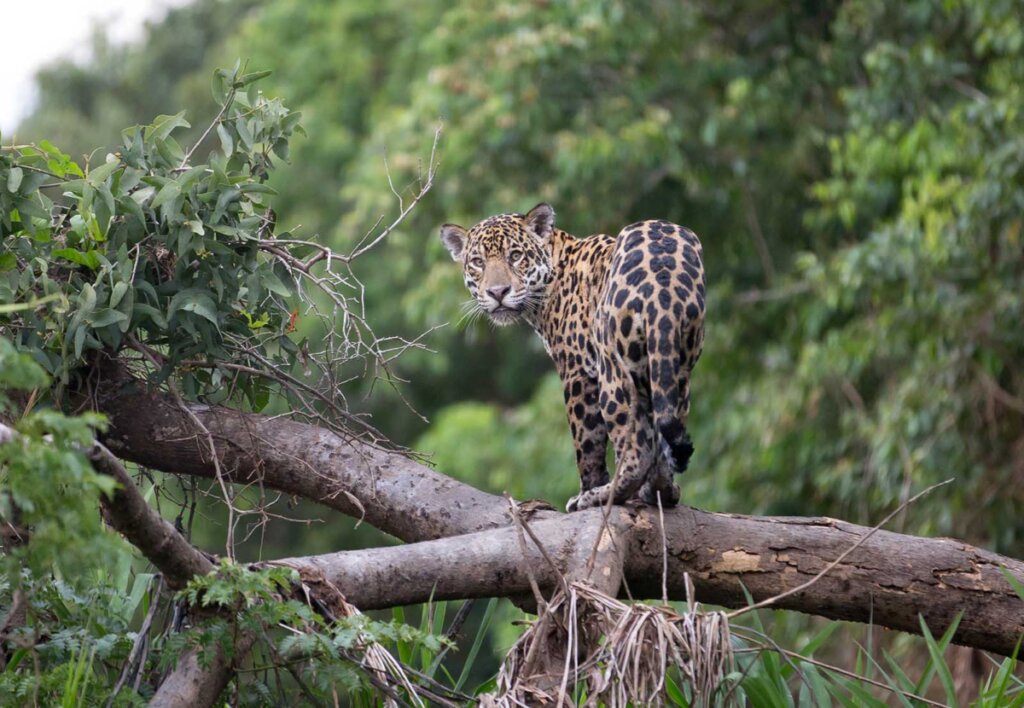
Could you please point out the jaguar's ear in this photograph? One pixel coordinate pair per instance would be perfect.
(454, 239)
(541, 220)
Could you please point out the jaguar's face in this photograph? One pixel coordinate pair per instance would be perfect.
(506, 261)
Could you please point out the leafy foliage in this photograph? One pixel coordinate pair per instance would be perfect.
(325, 654)
(75, 633)
(49, 494)
(150, 250)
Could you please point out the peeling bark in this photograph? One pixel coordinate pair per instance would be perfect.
(889, 580)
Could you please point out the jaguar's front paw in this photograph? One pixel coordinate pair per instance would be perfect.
(589, 499)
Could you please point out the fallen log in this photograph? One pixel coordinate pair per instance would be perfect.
(889, 580)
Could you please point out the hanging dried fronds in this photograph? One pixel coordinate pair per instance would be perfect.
(611, 653)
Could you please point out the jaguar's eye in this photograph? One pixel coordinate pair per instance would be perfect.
(515, 256)
(476, 262)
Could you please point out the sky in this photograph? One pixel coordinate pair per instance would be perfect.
(37, 32)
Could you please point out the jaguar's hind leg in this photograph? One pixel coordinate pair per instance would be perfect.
(629, 428)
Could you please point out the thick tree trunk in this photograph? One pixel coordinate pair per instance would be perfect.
(197, 681)
(388, 490)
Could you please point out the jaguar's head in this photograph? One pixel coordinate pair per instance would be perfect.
(506, 261)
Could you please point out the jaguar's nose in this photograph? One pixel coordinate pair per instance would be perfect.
(498, 293)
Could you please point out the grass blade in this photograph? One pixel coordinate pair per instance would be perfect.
(938, 661)
(478, 641)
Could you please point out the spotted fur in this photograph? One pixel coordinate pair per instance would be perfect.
(623, 319)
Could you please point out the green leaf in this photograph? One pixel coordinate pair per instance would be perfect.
(227, 143)
(192, 176)
(99, 175)
(477, 642)
(194, 300)
(247, 79)
(818, 639)
(163, 125)
(938, 662)
(118, 292)
(79, 342)
(257, 187)
(106, 316)
(862, 696)
(168, 192)
(225, 198)
(169, 150)
(1017, 585)
(14, 179)
(271, 282)
(675, 695)
(89, 259)
(87, 300)
(244, 132)
(154, 314)
(29, 207)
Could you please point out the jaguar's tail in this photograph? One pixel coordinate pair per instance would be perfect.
(669, 402)
(670, 365)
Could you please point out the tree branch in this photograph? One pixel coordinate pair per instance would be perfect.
(197, 683)
(889, 579)
(159, 541)
(195, 680)
(391, 491)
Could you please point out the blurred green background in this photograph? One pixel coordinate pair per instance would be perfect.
(854, 170)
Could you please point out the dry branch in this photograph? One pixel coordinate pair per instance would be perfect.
(389, 490)
(197, 683)
(888, 580)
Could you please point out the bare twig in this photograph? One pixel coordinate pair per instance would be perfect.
(524, 561)
(750, 209)
(229, 499)
(141, 639)
(405, 208)
(664, 552)
(228, 100)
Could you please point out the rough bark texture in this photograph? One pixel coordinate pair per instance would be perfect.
(193, 682)
(482, 564)
(890, 579)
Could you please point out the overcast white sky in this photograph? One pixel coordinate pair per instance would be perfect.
(36, 32)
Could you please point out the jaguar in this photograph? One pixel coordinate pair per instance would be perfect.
(622, 317)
